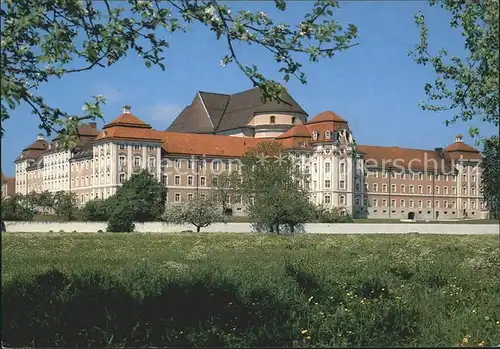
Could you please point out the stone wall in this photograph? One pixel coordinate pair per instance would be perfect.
(345, 228)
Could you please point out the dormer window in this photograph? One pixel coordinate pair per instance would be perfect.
(315, 135)
(293, 119)
(272, 119)
(328, 134)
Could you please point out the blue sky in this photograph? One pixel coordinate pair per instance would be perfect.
(375, 86)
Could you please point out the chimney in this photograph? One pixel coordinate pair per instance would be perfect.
(126, 109)
(40, 137)
(93, 124)
(458, 138)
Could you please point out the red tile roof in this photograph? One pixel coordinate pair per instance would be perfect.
(327, 116)
(296, 131)
(406, 158)
(127, 120)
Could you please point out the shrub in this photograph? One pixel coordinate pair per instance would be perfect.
(121, 218)
(95, 211)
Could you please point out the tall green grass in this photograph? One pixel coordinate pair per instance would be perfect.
(250, 290)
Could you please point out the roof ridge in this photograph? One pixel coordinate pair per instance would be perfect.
(215, 93)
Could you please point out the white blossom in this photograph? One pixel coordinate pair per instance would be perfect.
(85, 108)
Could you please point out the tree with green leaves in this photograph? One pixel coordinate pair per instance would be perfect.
(121, 217)
(145, 195)
(201, 211)
(95, 211)
(47, 39)
(274, 189)
(490, 176)
(65, 205)
(226, 187)
(17, 208)
(469, 86)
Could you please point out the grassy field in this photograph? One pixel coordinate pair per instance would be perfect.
(250, 290)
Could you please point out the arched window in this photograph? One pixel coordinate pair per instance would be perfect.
(315, 134)
(342, 200)
(272, 119)
(293, 119)
(328, 134)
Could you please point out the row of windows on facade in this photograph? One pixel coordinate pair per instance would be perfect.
(419, 176)
(135, 146)
(420, 189)
(402, 203)
(237, 199)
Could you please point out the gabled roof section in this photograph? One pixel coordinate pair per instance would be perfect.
(213, 112)
(194, 118)
(296, 131)
(216, 105)
(243, 106)
(460, 150)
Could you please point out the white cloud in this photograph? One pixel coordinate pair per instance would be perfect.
(163, 113)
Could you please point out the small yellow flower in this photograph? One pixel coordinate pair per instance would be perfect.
(303, 332)
(498, 322)
(465, 340)
(308, 337)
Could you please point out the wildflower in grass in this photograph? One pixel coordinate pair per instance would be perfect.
(310, 298)
(308, 337)
(481, 344)
(303, 332)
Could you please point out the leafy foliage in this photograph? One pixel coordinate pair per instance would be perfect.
(65, 205)
(48, 39)
(95, 211)
(274, 189)
(17, 208)
(200, 212)
(247, 290)
(226, 186)
(144, 194)
(121, 217)
(469, 85)
(331, 215)
(490, 177)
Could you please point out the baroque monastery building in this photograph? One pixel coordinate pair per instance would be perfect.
(209, 136)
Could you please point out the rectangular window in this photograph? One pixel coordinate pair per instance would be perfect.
(177, 180)
(226, 165)
(375, 202)
(403, 188)
(137, 161)
(411, 203)
(327, 167)
(177, 197)
(215, 165)
(402, 203)
(190, 196)
(327, 199)
(445, 190)
(384, 188)
(190, 180)
(384, 203)
(177, 163)
(393, 203)
(215, 181)
(393, 187)
(327, 183)
(437, 190)
(342, 184)
(137, 147)
(375, 187)
(122, 146)
(203, 181)
(165, 180)
(121, 178)
(429, 189)
(429, 204)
